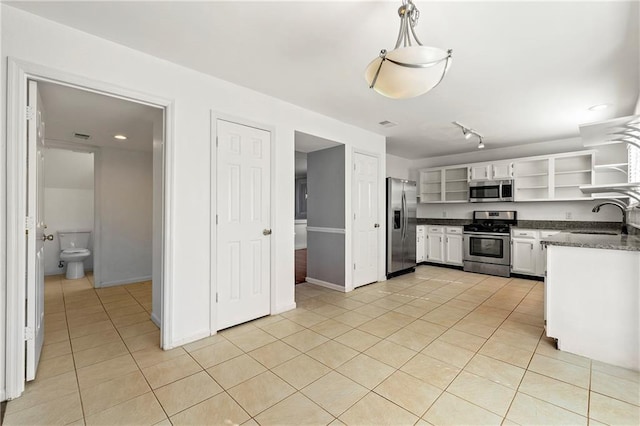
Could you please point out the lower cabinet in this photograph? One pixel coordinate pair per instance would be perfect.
(444, 244)
(421, 238)
(527, 254)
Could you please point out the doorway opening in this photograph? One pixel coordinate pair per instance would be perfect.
(320, 180)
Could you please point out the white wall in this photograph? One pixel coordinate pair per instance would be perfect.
(398, 167)
(126, 216)
(68, 201)
(195, 95)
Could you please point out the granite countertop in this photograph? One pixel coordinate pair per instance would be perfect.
(599, 241)
(443, 222)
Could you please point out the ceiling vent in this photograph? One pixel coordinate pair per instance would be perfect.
(387, 123)
(82, 136)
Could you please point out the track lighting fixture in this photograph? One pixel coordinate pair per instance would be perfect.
(480, 143)
(468, 132)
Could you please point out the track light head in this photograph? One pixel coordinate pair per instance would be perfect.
(467, 133)
(480, 143)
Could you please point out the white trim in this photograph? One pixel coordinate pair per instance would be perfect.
(189, 339)
(325, 230)
(18, 72)
(213, 167)
(126, 281)
(281, 309)
(155, 319)
(326, 284)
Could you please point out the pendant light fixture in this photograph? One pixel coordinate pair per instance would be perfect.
(410, 69)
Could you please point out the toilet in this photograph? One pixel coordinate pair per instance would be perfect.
(73, 246)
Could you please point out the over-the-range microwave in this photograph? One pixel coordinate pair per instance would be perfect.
(490, 191)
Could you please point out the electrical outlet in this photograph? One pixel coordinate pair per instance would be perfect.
(444, 214)
(568, 215)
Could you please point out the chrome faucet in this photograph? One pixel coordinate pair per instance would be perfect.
(619, 204)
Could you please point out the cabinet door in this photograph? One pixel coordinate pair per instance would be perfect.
(419, 247)
(523, 258)
(453, 249)
(479, 172)
(435, 243)
(502, 171)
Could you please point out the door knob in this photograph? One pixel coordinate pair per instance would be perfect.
(46, 237)
(266, 232)
(377, 225)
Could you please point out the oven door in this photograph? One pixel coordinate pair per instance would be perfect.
(487, 247)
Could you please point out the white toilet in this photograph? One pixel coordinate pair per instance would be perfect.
(74, 251)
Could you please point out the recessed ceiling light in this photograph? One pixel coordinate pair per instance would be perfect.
(599, 107)
(120, 137)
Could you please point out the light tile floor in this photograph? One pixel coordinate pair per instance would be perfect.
(439, 346)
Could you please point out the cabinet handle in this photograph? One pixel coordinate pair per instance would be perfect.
(447, 240)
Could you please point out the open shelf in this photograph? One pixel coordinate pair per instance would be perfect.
(532, 175)
(533, 187)
(463, 190)
(455, 180)
(569, 185)
(568, 172)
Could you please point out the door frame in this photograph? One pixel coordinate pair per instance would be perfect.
(213, 236)
(350, 284)
(18, 72)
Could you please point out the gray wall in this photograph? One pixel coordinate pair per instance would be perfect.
(326, 210)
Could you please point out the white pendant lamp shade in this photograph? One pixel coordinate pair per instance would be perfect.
(410, 69)
(406, 81)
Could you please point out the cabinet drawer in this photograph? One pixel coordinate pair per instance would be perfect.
(435, 229)
(545, 234)
(453, 230)
(523, 233)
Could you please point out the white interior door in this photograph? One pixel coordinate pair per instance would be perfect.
(365, 221)
(35, 235)
(243, 223)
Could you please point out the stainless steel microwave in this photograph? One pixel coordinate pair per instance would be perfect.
(491, 191)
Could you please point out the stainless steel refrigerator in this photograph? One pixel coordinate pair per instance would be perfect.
(401, 226)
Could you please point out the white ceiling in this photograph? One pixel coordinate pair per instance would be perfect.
(522, 72)
(68, 110)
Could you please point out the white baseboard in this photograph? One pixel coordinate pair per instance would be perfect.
(281, 309)
(155, 319)
(326, 284)
(125, 281)
(192, 338)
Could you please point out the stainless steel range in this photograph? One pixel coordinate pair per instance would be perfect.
(487, 242)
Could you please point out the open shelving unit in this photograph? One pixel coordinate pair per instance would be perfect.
(531, 179)
(444, 185)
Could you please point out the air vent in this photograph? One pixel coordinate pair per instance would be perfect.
(82, 136)
(387, 123)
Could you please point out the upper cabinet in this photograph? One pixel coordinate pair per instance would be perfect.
(491, 171)
(444, 185)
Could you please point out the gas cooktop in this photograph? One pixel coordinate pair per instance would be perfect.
(498, 222)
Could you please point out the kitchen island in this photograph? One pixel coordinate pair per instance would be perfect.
(592, 296)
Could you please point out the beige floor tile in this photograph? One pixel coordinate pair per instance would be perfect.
(219, 410)
(252, 340)
(207, 341)
(371, 311)
(306, 319)
(482, 392)
(615, 387)
(54, 366)
(451, 410)
(380, 328)
(96, 339)
(612, 411)
(261, 392)
(300, 371)
(426, 328)
(305, 340)
(211, 355)
(448, 353)
(431, 370)
(495, 370)
(56, 337)
(55, 349)
(95, 374)
(100, 353)
(44, 390)
(124, 311)
(570, 373)
(283, 328)
(62, 410)
(236, 371)
(462, 339)
(332, 354)
(88, 319)
(137, 343)
(295, 410)
(113, 392)
(520, 341)
(169, 371)
(137, 329)
(390, 353)
(154, 355)
(352, 319)
(274, 353)
(508, 354)
(547, 347)
(528, 410)
(556, 392)
(335, 393)
(329, 311)
(409, 392)
(358, 340)
(331, 328)
(126, 320)
(187, 392)
(620, 372)
(144, 409)
(476, 329)
(86, 329)
(375, 410)
(77, 313)
(365, 370)
(410, 339)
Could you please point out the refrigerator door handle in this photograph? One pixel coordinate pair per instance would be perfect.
(403, 209)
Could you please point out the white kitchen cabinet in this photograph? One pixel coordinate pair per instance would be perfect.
(527, 254)
(479, 172)
(501, 171)
(444, 185)
(421, 239)
(542, 258)
(492, 171)
(444, 244)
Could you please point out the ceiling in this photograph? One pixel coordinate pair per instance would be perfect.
(68, 111)
(522, 72)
